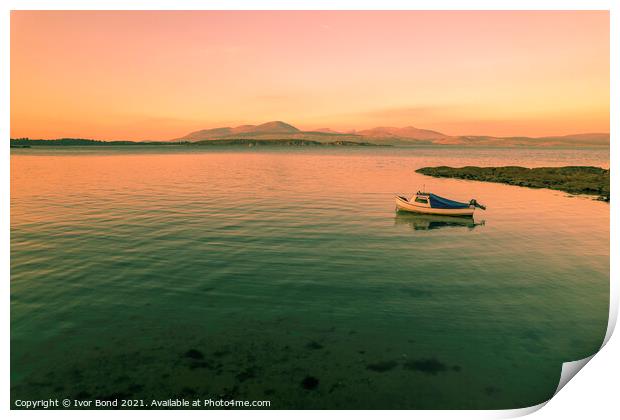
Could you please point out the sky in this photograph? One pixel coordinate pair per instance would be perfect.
(139, 75)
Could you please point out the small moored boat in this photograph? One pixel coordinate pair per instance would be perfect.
(429, 203)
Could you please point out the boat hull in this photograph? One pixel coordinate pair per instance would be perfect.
(405, 205)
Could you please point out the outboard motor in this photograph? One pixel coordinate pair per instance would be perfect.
(474, 203)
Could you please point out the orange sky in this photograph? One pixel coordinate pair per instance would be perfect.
(158, 75)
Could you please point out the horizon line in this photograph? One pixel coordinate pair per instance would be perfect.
(352, 132)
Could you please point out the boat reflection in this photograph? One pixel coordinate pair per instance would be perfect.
(429, 221)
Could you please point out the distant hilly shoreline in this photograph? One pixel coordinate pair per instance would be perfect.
(395, 136)
(281, 133)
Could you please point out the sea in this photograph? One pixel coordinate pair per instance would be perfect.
(284, 274)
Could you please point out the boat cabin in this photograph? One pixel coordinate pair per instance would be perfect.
(421, 198)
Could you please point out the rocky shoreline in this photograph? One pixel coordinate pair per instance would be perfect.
(571, 179)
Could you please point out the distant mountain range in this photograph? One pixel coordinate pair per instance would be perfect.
(397, 136)
(281, 133)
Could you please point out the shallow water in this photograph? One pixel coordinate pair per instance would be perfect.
(166, 272)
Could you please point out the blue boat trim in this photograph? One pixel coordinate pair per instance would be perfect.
(438, 202)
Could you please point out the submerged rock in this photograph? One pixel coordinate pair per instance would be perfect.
(194, 354)
(310, 382)
(313, 345)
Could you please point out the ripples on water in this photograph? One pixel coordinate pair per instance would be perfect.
(162, 272)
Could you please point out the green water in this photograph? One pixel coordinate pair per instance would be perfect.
(163, 273)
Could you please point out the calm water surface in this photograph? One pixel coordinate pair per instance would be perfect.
(156, 273)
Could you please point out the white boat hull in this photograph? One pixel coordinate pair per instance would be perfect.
(405, 205)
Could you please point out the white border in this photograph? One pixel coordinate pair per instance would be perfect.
(597, 384)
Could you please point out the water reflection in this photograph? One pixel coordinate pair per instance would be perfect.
(429, 221)
(299, 292)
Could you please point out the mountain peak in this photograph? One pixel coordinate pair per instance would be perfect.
(245, 131)
(276, 127)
